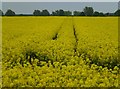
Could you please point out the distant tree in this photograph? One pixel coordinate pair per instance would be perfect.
(45, 12)
(107, 14)
(10, 13)
(67, 13)
(117, 13)
(76, 13)
(101, 14)
(82, 14)
(88, 11)
(96, 13)
(21, 14)
(36, 13)
(1, 13)
(57, 12)
(61, 12)
(54, 13)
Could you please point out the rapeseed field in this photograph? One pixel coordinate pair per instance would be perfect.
(60, 52)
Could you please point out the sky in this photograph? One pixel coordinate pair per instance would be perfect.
(29, 7)
(59, 0)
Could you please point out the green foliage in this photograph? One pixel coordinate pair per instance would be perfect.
(1, 13)
(88, 11)
(117, 13)
(37, 13)
(10, 13)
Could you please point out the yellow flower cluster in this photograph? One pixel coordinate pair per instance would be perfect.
(60, 52)
(98, 40)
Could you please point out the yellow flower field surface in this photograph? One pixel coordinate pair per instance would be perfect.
(60, 52)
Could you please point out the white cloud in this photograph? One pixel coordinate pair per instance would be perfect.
(59, 0)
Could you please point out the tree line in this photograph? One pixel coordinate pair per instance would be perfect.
(87, 11)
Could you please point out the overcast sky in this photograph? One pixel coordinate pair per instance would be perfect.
(59, 0)
(28, 7)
